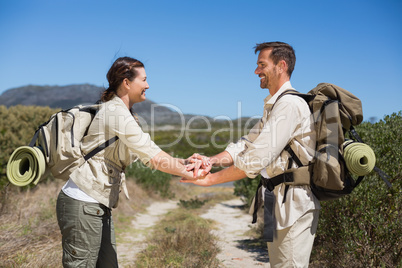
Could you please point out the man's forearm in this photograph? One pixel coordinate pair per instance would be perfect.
(223, 159)
(231, 173)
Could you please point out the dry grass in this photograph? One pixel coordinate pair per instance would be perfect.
(30, 236)
(180, 239)
(29, 233)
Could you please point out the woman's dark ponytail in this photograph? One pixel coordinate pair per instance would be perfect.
(107, 95)
(121, 69)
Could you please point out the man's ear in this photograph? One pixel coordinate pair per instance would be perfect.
(283, 67)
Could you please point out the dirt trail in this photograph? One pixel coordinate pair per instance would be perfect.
(232, 223)
(142, 224)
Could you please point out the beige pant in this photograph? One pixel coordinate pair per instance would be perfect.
(292, 246)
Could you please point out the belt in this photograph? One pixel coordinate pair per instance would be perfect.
(269, 197)
(269, 204)
(108, 211)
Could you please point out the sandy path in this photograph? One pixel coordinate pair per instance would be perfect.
(142, 224)
(232, 223)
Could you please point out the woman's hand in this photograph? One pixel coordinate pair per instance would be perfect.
(201, 181)
(199, 164)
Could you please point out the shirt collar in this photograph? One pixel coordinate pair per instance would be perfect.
(271, 99)
(119, 101)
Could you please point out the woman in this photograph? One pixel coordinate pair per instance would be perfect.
(85, 201)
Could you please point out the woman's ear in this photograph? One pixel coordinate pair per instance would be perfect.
(123, 88)
(126, 83)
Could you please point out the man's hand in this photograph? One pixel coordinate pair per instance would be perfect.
(231, 173)
(199, 164)
(202, 181)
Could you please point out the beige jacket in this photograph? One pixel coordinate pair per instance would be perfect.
(261, 152)
(102, 176)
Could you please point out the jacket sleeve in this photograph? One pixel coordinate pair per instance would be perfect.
(131, 135)
(274, 135)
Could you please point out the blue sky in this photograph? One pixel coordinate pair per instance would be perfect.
(199, 54)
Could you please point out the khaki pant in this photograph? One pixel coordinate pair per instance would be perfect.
(87, 231)
(292, 246)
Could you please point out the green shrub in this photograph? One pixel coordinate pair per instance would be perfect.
(364, 228)
(246, 189)
(150, 179)
(192, 203)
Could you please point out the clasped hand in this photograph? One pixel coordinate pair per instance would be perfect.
(199, 164)
(201, 167)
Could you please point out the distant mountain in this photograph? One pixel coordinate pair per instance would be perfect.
(53, 96)
(68, 96)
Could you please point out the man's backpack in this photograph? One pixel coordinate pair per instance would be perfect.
(60, 139)
(335, 111)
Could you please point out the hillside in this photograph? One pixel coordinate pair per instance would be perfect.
(67, 96)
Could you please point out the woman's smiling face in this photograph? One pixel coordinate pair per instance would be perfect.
(138, 86)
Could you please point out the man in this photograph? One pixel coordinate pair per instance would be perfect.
(290, 212)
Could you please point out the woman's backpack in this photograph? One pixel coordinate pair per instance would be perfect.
(57, 144)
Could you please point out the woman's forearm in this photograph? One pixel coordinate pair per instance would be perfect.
(168, 164)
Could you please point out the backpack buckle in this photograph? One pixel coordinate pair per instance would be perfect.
(267, 183)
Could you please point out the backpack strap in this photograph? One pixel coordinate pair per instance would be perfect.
(306, 97)
(256, 201)
(100, 148)
(34, 138)
(383, 176)
(300, 176)
(36, 135)
(288, 177)
(353, 132)
(90, 154)
(293, 156)
(93, 110)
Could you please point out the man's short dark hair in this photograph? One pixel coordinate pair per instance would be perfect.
(280, 51)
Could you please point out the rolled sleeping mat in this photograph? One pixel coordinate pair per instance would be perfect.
(26, 165)
(359, 157)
